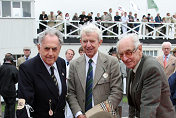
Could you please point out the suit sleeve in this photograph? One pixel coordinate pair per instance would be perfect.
(115, 83)
(151, 91)
(25, 91)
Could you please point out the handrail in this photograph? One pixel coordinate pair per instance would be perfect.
(113, 29)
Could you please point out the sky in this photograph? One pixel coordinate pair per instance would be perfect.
(95, 6)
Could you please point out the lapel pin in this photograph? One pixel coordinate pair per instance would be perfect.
(105, 75)
(62, 74)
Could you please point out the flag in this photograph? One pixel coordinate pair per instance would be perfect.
(134, 6)
(152, 5)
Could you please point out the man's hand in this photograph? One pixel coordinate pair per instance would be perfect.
(81, 116)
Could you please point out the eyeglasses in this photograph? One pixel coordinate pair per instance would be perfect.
(127, 53)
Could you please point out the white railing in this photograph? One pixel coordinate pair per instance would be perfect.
(113, 29)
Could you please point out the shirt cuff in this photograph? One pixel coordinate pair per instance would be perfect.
(78, 113)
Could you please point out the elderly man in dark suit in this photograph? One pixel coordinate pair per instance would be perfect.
(42, 80)
(102, 81)
(147, 87)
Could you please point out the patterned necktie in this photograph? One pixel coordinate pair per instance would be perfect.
(53, 76)
(89, 85)
(165, 62)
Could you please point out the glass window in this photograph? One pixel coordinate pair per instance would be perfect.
(26, 8)
(16, 4)
(6, 9)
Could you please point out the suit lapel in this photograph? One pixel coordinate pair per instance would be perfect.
(81, 69)
(45, 76)
(100, 68)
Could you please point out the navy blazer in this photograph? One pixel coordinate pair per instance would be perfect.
(172, 84)
(37, 88)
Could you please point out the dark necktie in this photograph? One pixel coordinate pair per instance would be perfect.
(53, 76)
(67, 63)
(132, 76)
(26, 58)
(89, 85)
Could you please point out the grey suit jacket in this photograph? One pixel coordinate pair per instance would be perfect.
(149, 96)
(103, 87)
(170, 66)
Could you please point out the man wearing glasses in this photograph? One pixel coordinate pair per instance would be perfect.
(147, 88)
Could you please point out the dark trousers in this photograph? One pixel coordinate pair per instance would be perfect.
(9, 107)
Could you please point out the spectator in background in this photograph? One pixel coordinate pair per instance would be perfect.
(117, 18)
(59, 22)
(98, 18)
(159, 21)
(131, 19)
(42, 19)
(75, 22)
(27, 52)
(67, 18)
(51, 18)
(151, 23)
(8, 79)
(81, 51)
(69, 54)
(167, 60)
(89, 17)
(83, 18)
(125, 20)
(174, 52)
(174, 21)
(148, 17)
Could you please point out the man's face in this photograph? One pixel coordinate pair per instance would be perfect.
(90, 43)
(27, 52)
(69, 55)
(49, 49)
(166, 49)
(129, 54)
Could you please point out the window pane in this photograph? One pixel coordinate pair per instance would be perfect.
(151, 53)
(26, 9)
(6, 9)
(16, 4)
(155, 53)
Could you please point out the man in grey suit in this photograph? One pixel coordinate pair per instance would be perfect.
(147, 87)
(107, 82)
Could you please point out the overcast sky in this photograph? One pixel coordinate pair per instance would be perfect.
(95, 6)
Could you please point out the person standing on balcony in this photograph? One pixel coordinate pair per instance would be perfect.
(117, 18)
(43, 17)
(167, 60)
(59, 21)
(125, 20)
(51, 18)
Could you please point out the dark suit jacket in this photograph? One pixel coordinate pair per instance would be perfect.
(150, 94)
(37, 88)
(172, 84)
(8, 79)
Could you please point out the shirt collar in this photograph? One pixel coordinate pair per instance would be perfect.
(94, 58)
(47, 66)
(136, 67)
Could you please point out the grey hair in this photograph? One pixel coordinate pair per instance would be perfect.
(90, 28)
(165, 43)
(131, 36)
(50, 32)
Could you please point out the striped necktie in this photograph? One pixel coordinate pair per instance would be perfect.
(89, 85)
(53, 76)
